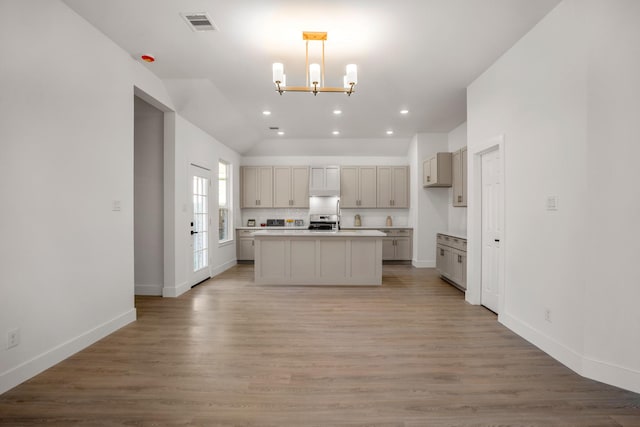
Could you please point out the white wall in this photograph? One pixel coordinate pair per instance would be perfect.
(612, 317)
(66, 126)
(457, 216)
(428, 205)
(148, 199)
(564, 102)
(193, 146)
(67, 153)
(362, 160)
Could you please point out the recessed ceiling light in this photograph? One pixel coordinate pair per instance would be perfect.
(389, 132)
(280, 132)
(266, 112)
(336, 132)
(404, 111)
(337, 112)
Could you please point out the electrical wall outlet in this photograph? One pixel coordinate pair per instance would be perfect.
(13, 338)
(547, 315)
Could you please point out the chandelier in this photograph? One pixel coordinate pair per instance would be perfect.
(315, 72)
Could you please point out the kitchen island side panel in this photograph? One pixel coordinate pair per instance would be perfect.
(327, 259)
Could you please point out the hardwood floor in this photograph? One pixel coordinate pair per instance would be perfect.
(231, 353)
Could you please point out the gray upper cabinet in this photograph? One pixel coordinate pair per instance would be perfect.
(324, 181)
(393, 187)
(358, 186)
(290, 187)
(256, 186)
(459, 166)
(436, 171)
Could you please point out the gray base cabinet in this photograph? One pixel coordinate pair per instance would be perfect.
(451, 259)
(245, 245)
(397, 245)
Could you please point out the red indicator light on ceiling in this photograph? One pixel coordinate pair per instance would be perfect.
(147, 57)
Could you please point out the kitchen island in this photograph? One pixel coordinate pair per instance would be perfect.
(304, 257)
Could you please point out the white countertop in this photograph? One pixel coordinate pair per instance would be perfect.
(382, 227)
(458, 235)
(273, 228)
(307, 233)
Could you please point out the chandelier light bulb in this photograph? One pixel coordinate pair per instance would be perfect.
(314, 74)
(352, 74)
(278, 72)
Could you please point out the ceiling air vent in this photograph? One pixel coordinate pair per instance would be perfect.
(199, 21)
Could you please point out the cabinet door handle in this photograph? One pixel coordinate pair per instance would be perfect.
(459, 198)
(459, 258)
(253, 243)
(428, 179)
(496, 240)
(441, 252)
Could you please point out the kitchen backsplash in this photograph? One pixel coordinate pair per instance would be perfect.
(376, 217)
(369, 217)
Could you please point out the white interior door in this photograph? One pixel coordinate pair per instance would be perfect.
(491, 228)
(200, 184)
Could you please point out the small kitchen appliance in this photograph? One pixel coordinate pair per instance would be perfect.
(323, 222)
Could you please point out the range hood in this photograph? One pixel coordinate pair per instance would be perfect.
(324, 181)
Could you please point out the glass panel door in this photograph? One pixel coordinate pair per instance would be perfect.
(200, 184)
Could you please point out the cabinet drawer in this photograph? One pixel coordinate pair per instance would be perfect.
(245, 233)
(451, 241)
(458, 243)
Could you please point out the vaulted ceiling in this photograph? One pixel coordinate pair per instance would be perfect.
(418, 55)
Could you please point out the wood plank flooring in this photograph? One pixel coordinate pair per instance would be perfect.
(230, 353)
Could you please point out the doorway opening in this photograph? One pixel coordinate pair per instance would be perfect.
(148, 198)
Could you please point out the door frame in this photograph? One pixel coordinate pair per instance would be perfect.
(474, 221)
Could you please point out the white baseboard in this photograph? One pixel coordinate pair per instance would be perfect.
(596, 370)
(561, 353)
(611, 374)
(423, 264)
(150, 290)
(172, 292)
(222, 268)
(49, 358)
(175, 291)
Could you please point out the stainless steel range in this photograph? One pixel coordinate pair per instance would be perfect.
(323, 222)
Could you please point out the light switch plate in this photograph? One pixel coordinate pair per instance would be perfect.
(115, 206)
(552, 203)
